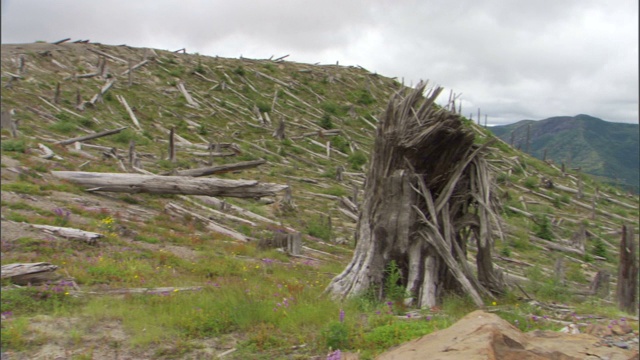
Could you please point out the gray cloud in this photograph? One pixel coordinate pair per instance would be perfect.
(513, 59)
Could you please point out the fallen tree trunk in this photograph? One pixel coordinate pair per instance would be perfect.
(70, 233)
(219, 169)
(91, 136)
(29, 273)
(158, 184)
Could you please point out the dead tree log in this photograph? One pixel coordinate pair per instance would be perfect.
(29, 273)
(626, 292)
(158, 184)
(70, 233)
(427, 193)
(219, 169)
(90, 136)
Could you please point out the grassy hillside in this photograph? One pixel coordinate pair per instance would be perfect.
(202, 293)
(604, 149)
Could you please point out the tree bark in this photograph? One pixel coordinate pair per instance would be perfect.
(158, 184)
(626, 291)
(427, 192)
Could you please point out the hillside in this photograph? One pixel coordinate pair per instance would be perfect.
(604, 149)
(161, 282)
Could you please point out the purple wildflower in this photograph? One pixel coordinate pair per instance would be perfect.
(336, 355)
(408, 316)
(341, 315)
(428, 318)
(6, 315)
(267, 261)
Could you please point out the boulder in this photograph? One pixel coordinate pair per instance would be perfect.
(484, 336)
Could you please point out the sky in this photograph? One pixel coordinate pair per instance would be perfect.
(513, 59)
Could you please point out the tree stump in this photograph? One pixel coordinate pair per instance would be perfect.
(426, 194)
(600, 284)
(626, 292)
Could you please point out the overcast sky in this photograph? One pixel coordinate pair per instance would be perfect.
(514, 59)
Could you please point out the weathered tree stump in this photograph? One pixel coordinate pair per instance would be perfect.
(601, 284)
(427, 193)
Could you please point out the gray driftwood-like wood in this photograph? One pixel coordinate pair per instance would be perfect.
(186, 95)
(158, 184)
(219, 169)
(427, 193)
(626, 292)
(90, 136)
(70, 233)
(7, 122)
(29, 273)
(103, 90)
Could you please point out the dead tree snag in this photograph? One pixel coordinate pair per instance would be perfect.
(427, 193)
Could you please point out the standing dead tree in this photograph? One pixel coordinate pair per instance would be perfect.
(627, 289)
(428, 192)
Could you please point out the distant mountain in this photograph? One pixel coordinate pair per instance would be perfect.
(605, 149)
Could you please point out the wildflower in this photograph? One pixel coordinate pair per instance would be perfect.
(408, 316)
(336, 355)
(267, 261)
(389, 303)
(6, 315)
(428, 318)
(66, 293)
(494, 303)
(534, 318)
(176, 290)
(341, 315)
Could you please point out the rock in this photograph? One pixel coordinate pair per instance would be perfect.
(621, 329)
(621, 345)
(598, 330)
(484, 336)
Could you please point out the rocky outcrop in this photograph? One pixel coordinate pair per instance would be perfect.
(484, 336)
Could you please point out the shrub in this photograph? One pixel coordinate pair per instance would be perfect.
(531, 182)
(239, 71)
(264, 107)
(543, 228)
(357, 159)
(326, 122)
(319, 229)
(14, 145)
(599, 248)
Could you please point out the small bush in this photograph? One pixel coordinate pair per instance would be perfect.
(531, 182)
(357, 159)
(14, 145)
(239, 71)
(264, 107)
(599, 248)
(319, 229)
(326, 122)
(543, 228)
